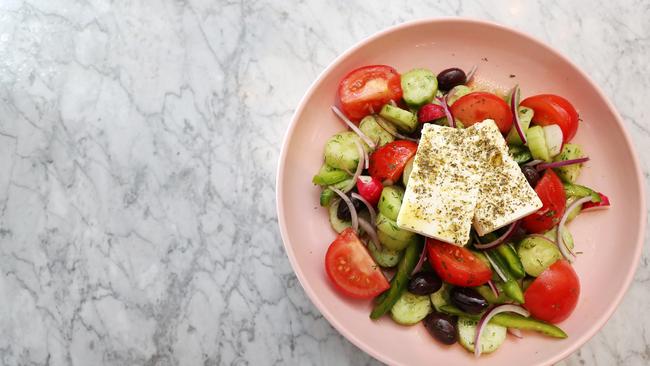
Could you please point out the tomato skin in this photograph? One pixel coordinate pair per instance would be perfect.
(478, 106)
(553, 295)
(368, 88)
(457, 265)
(370, 189)
(351, 269)
(553, 109)
(551, 191)
(388, 161)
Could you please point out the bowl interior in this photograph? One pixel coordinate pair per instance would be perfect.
(608, 239)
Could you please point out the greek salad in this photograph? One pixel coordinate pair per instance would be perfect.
(452, 202)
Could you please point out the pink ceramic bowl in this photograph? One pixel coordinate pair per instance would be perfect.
(611, 240)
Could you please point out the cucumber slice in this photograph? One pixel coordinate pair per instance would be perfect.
(440, 298)
(408, 168)
(537, 254)
(578, 191)
(327, 176)
(403, 119)
(391, 201)
(566, 235)
(337, 224)
(341, 151)
(492, 337)
(519, 153)
(410, 309)
(525, 116)
(537, 143)
(569, 173)
(456, 93)
(384, 257)
(375, 131)
(327, 194)
(554, 138)
(391, 236)
(419, 86)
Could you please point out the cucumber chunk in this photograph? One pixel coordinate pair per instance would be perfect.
(537, 143)
(569, 173)
(384, 257)
(375, 131)
(391, 236)
(328, 175)
(404, 120)
(337, 224)
(520, 153)
(408, 168)
(492, 337)
(419, 86)
(566, 235)
(456, 93)
(341, 151)
(525, 116)
(390, 201)
(440, 298)
(410, 309)
(537, 254)
(327, 194)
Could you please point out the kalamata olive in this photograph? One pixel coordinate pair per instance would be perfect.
(468, 300)
(424, 283)
(449, 78)
(343, 212)
(442, 327)
(531, 174)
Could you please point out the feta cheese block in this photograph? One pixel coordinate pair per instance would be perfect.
(504, 193)
(442, 190)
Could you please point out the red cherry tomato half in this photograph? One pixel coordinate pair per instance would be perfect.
(370, 189)
(553, 109)
(388, 161)
(351, 269)
(457, 265)
(430, 112)
(368, 88)
(554, 294)
(551, 191)
(479, 106)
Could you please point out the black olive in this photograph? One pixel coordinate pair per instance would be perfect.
(449, 78)
(343, 212)
(424, 283)
(531, 174)
(468, 300)
(442, 327)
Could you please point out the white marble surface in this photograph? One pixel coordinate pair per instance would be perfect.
(138, 145)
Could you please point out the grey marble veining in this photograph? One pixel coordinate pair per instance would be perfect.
(139, 143)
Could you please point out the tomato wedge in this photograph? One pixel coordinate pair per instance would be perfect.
(457, 265)
(551, 191)
(554, 294)
(479, 106)
(351, 269)
(553, 109)
(387, 162)
(368, 88)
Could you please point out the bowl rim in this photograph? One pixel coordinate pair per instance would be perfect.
(598, 324)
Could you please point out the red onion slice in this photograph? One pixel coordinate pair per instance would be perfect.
(505, 236)
(354, 128)
(381, 122)
(471, 73)
(445, 106)
(493, 287)
(371, 209)
(533, 162)
(392, 102)
(366, 164)
(485, 319)
(496, 268)
(514, 106)
(515, 332)
(423, 257)
(372, 233)
(557, 164)
(353, 211)
(566, 252)
(357, 173)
